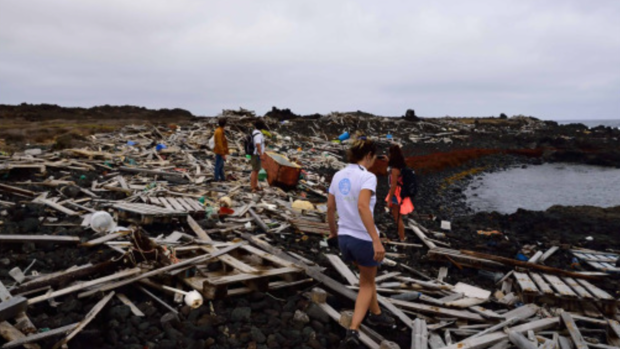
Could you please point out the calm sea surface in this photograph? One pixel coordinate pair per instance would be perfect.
(592, 123)
(540, 187)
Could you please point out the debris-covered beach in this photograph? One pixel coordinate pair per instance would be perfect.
(186, 262)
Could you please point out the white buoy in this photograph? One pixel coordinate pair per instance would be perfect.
(192, 298)
(102, 222)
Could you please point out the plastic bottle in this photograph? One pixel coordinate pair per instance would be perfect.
(344, 136)
(262, 174)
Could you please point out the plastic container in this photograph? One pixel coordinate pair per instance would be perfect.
(160, 147)
(102, 222)
(389, 136)
(344, 136)
(262, 175)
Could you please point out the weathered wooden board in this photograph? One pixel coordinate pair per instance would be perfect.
(559, 286)
(542, 285)
(423, 308)
(575, 335)
(40, 238)
(343, 269)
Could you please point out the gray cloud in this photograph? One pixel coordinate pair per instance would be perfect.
(554, 59)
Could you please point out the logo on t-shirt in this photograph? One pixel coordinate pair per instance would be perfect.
(344, 186)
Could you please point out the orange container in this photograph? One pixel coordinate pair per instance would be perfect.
(281, 172)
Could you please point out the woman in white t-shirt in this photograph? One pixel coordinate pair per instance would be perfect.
(353, 194)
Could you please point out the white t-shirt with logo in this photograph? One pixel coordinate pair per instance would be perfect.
(346, 187)
(258, 138)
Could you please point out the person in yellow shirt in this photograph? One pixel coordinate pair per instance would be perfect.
(220, 150)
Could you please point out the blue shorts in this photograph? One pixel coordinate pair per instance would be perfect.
(357, 250)
(394, 200)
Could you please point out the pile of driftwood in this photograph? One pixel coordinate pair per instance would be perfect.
(223, 242)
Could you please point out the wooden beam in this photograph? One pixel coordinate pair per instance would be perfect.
(65, 276)
(39, 238)
(16, 190)
(343, 269)
(419, 335)
(575, 335)
(431, 245)
(461, 314)
(89, 317)
(514, 262)
(83, 285)
(134, 309)
(12, 307)
(12, 334)
(26, 340)
(258, 220)
(520, 340)
(149, 172)
(56, 206)
(548, 253)
(613, 332)
(197, 229)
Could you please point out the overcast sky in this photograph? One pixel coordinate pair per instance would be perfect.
(550, 59)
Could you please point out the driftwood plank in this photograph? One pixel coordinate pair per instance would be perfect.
(12, 307)
(548, 253)
(575, 335)
(461, 314)
(343, 269)
(134, 309)
(37, 337)
(39, 238)
(89, 317)
(522, 313)
(613, 332)
(12, 334)
(197, 229)
(419, 335)
(57, 207)
(83, 285)
(520, 340)
(16, 190)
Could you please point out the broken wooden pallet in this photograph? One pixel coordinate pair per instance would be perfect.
(146, 213)
(571, 294)
(602, 261)
(247, 269)
(178, 204)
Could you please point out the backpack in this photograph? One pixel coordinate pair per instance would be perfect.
(409, 187)
(248, 143)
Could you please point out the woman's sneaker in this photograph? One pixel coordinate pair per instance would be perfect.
(352, 340)
(380, 320)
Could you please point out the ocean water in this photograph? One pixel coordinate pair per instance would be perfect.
(592, 123)
(539, 187)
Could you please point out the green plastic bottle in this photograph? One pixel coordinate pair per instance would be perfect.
(262, 174)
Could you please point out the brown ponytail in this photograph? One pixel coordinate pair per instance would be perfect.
(360, 148)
